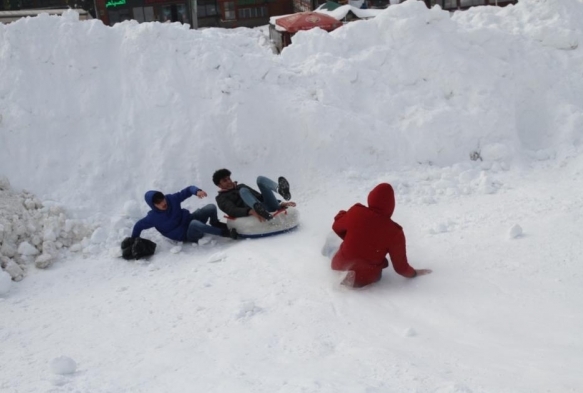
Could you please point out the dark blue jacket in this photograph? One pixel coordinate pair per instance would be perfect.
(172, 222)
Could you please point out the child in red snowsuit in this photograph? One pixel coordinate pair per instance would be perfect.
(368, 235)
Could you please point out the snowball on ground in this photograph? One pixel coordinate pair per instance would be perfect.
(63, 365)
(515, 231)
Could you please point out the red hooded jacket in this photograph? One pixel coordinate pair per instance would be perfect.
(368, 235)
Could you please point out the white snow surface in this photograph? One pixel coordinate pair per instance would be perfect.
(91, 117)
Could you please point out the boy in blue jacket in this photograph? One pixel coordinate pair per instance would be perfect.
(176, 223)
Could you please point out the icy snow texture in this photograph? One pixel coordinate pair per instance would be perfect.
(31, 232)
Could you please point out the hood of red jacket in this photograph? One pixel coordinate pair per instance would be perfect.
(382, 199)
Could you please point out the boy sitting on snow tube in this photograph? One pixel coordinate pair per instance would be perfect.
(239, 200)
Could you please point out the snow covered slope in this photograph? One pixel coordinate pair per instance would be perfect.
(91, 117)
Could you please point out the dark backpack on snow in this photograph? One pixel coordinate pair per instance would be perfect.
(136, 248)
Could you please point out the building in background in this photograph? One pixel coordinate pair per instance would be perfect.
(19, 5)
(219, 13)
(251, 13)
(208, 13)
(12, 16)
(183, 11)
(452, 5)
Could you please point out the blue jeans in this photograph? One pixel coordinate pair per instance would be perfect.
(197, 227)
(267, 187)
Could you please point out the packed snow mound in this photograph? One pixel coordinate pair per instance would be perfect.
(558, 22)
(160, 106)
(33, 232)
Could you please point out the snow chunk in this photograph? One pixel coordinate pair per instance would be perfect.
(5, 283)
(76, 247)
(152, 267)
(205, 240)
(515, 232)
(25, 248)
(8, 249)
(247, 310)
(486, 185)
(99, 236)
(44, 260)
(63, 365)
(12, 268)
(115, 252)
(217, 257)
(131, 209)
(30, 228)
(410, 332)
(495, 152)
(468, 176)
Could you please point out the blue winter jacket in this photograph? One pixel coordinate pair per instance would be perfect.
(172, 222)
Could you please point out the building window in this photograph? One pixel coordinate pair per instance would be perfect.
(229, 10)
(211, 9)
(138, 13)
(470, 3)
(119, 15)
(201, 10)
(449, 4)
(181, 13)
(206, 8)
(256, 12)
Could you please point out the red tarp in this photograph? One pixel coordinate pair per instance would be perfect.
(307, 21)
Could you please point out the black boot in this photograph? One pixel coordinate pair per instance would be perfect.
(232, 233)
(262, 211)
(283, 188)
(218, 224)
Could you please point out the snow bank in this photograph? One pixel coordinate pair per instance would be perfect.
(552, 23)
(160, 106)
(31, 232)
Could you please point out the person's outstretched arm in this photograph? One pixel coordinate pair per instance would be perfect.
(398, 254)
(140, 226)
(187, 193)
